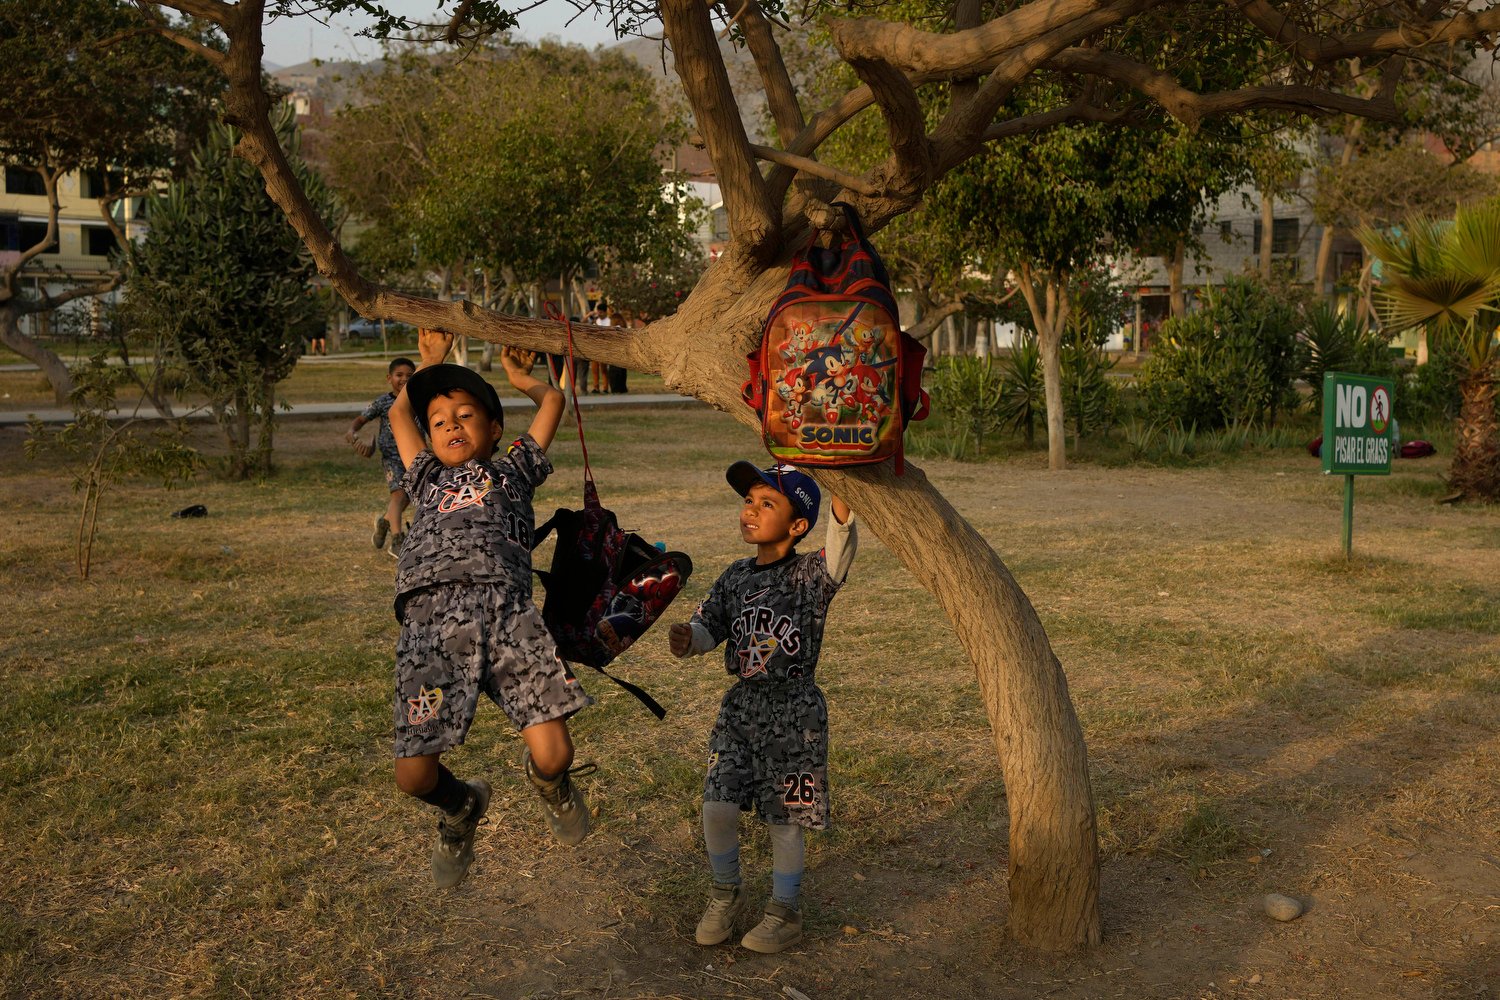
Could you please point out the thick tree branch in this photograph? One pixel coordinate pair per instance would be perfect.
(814, 168)
(781, 94)
(197, 48)
(965, 123)
(49, 302)
(910, 165)
(922, 329)
(50, 177)
(1318, 49)
(1191, 108)
(929, 55)
(210, 10)
(1075, 112)
(752, 214)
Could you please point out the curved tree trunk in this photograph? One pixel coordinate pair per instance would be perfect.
(1053, 852)
(1475, 472)
(54, 369)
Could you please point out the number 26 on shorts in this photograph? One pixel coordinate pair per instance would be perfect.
(801, 788)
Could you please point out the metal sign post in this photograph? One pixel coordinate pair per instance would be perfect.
(1357, 434)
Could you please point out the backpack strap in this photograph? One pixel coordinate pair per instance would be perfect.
(651, 703)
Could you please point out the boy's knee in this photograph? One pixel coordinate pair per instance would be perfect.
(416, 775)
(551, 749)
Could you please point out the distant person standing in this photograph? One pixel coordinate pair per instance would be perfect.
(596, 370)
(616, 373)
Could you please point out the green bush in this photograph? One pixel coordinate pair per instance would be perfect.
(969, 391)
(1023, 398)
(1231, 362)
(1332, 341)
(1090, 400)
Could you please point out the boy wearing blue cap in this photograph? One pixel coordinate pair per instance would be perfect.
(769, 746)
(463, 597)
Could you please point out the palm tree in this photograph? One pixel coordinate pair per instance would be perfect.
(1446, 276)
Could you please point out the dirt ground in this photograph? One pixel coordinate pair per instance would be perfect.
(1261, 716)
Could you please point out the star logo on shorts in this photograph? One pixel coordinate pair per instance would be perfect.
(753, 658)
(424, 707)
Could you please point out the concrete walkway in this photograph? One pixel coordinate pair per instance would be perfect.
(353, 407)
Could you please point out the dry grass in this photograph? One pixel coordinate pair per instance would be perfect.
(198, 799)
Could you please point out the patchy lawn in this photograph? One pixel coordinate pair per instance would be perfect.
(198, 798)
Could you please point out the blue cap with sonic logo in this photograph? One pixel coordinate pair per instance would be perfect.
(796, 486)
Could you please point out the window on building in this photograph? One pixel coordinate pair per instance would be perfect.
(19, 180)
(721, 224)
(1226, 231)
(1286, 235)
(94, 184)
(99, 241)
(10, 234)
(32, 233)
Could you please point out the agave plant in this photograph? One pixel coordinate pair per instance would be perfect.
(1446, 276)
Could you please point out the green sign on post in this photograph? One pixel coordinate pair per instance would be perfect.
(1358, 434)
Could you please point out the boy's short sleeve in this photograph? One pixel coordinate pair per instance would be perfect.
(529, 461)
(422, 468)
(378, 407)
(710, 613)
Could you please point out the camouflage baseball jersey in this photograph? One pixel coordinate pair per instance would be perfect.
(472, 522)
(770, 618)
(385, 440)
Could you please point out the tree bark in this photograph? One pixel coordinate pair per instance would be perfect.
(1475, 472)
(53, 368)
(1049, 314)
(1176, 297)
(1267, 224)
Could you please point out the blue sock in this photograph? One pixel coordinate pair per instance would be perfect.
(721, 837)
(786, 864)
(726, 867)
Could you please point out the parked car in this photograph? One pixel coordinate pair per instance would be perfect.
(369, 329)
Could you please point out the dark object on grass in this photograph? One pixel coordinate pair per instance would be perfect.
(1315, 447)
(196, 510)
(1417, 449)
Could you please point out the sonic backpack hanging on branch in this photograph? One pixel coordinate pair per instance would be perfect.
(606, 586)
(835, 380)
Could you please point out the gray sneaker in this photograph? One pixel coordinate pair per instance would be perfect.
(454, 850)
(398, 539)
(725, 902)
(566, 808)
(382, 528)
(778, 930)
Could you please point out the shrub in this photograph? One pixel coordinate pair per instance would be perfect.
(1231, 362)
(969, 391)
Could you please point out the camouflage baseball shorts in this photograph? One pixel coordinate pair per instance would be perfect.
(769, 750)
(458, 639)
(394, 470)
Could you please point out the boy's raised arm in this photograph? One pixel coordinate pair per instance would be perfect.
(434, 346)
(842, 541)
(549, 402)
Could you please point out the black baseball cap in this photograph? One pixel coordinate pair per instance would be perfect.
(788, 480)
(434, 380)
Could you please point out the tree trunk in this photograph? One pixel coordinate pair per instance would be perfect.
(54, 369)
(266, 419)
(1267, 225)
(1053, 854)
(1475, 472)
(1174, 279)
(1322, 287)
(1049, 314)
(1053, 850)
(1051, 344)
(237, 434)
